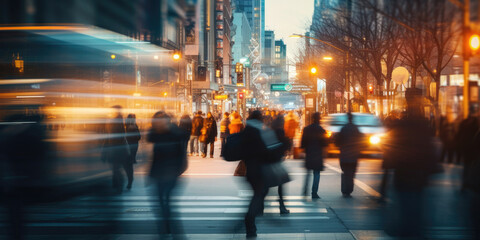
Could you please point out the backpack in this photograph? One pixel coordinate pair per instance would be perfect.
(232, 150)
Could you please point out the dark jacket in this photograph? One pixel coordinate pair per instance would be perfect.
(414, 154)
(254, 153)
(169, 155)
(350, 141)
(224, 130)
(210, 126)
(186, 124)
(115, 147)
(133, 134)
(197, 125)
(313, 141)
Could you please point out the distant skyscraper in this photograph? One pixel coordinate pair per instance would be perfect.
(269, 48)
(242, 37)
(255, 13)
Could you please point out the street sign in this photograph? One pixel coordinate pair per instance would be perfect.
(221, 97)
(280, 87)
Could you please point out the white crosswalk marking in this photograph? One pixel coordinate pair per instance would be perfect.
(90, 210)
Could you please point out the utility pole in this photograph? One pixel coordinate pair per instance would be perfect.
(466, 62)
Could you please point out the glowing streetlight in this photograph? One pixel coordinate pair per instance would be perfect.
(474, 42)
(296, 36)
(327, 58)
(176, 56)
(113, 56)
(313, 70)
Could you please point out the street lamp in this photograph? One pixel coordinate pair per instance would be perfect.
(346, 62)
(327, 58)
(313, 70)
(176, 56)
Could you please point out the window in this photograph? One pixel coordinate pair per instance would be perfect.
(219, 43)
(277, 48)
(220, 34)
(219, 15)
(219, 25)
(219, 7)
(220, 53)
(277, 55)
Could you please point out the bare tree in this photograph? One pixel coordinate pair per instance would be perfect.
(367, 36)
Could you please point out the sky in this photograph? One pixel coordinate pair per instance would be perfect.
(286, 17)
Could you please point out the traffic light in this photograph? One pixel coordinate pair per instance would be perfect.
(472, 43)
(202, 73)
(239, 78)
(370, 89)
(218, 67)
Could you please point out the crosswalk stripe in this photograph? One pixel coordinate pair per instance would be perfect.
(194, 198)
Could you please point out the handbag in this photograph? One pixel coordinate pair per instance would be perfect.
(274, 174)
(241, 169)
(232, 150)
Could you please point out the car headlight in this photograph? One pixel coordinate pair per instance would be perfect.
(375, 139)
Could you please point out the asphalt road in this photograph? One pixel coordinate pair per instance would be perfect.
(209, 203)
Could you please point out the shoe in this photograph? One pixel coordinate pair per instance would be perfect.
(251, 235)
(315, 196)
(204, 155)
(211, 156)
(129, 187)
(284, 210)
(346, 195)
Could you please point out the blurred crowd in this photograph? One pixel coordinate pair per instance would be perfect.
(259, 143)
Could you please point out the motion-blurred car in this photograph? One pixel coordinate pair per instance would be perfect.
(368, 124)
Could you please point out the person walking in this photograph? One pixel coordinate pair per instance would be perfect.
(466, 137)
(236, 125)
(224, 130)
(133, 137)
(169, 162)
(209, 133)
(197, 125)
(313, 141)
(350, 141)
(255, 155)
(277, 125)
(291, 125)
(116, 149)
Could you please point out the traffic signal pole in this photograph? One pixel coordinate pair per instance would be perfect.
(466, 62)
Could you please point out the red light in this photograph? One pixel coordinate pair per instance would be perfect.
(241, 95)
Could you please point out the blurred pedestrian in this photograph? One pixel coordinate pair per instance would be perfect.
(133, 137)
(447, 139)
(466, 136)
(197, 125)
(169, 162)
(25, 168)
(277, 126)
(255, 156)
(209, 135)
(350, 141)
(413, 160)
(116, 149)
(291, 125)
(185, 123)
(313, 141)
(224, 129)
(236, 125)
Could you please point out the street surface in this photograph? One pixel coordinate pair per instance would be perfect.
(210, 204)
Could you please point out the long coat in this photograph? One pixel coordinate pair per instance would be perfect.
(313, 141)
(169, 154)
(116, 148)
(210, 126)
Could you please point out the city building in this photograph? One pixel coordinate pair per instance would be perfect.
(241, 46)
